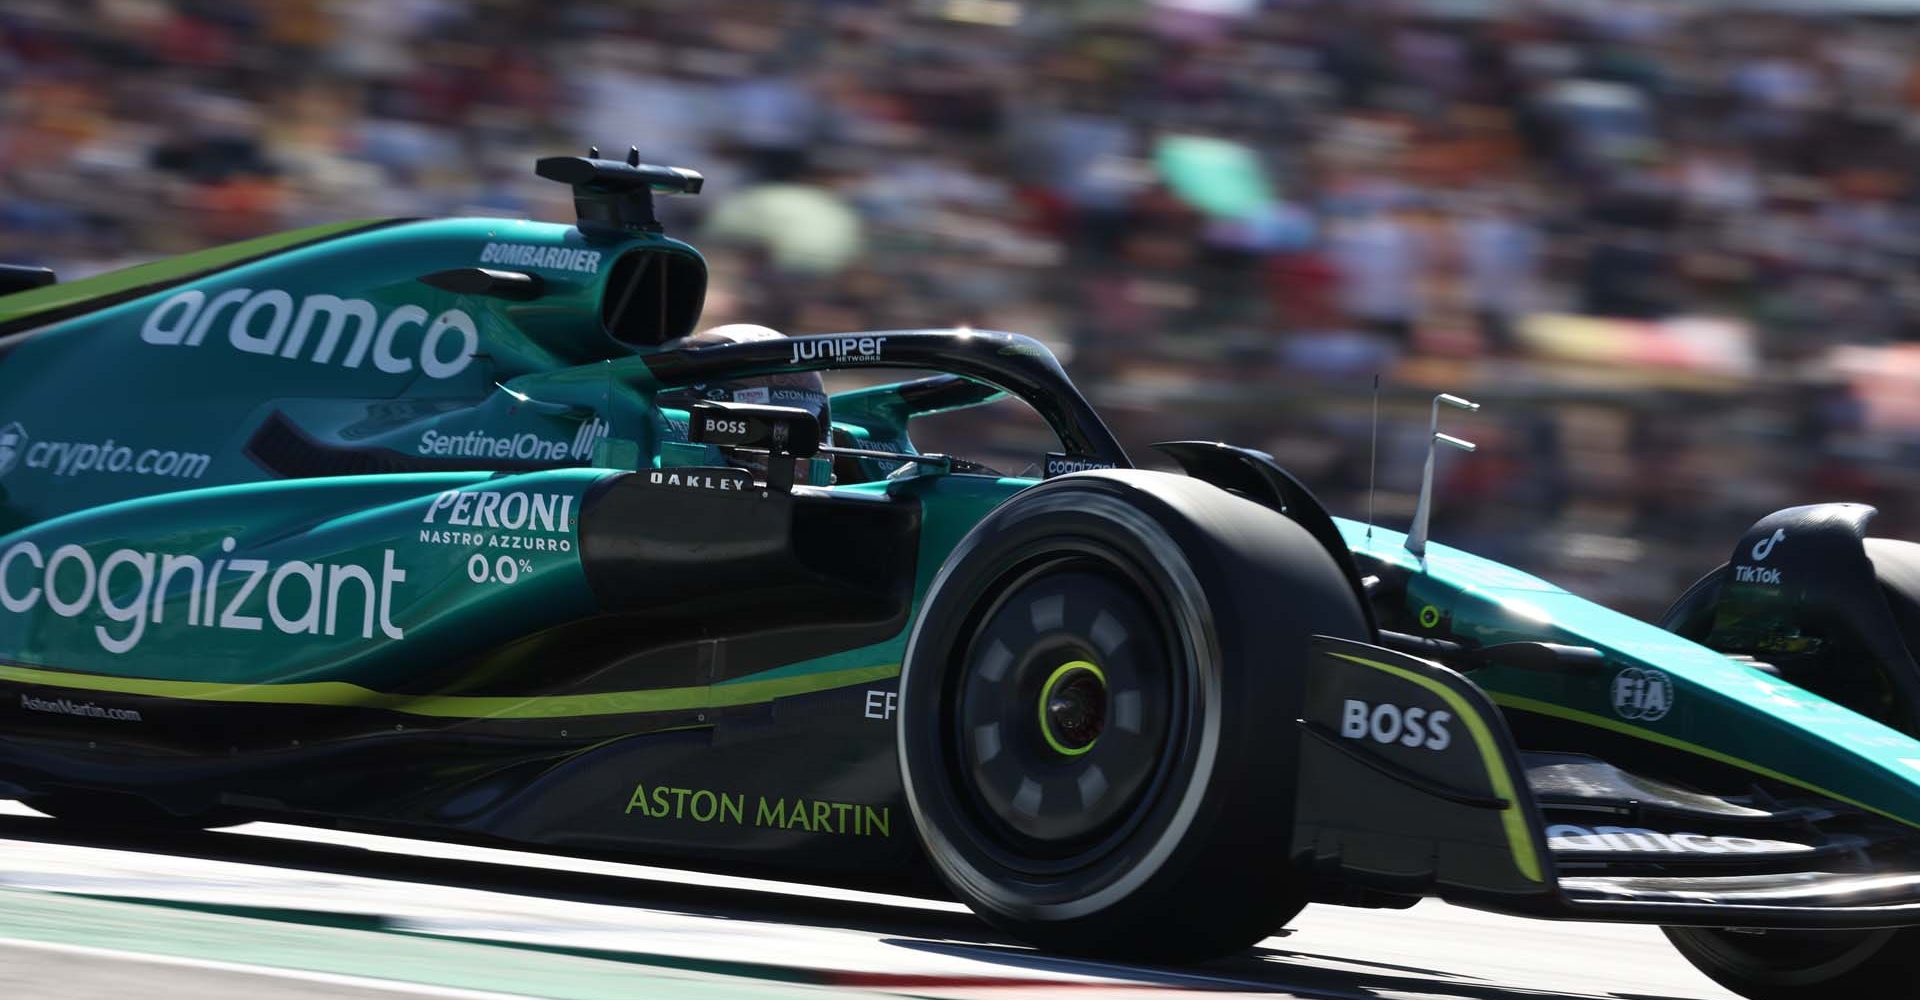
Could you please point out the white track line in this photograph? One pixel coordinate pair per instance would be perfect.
(304, 975)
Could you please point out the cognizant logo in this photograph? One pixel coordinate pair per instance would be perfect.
(269, 322)
(131, 588)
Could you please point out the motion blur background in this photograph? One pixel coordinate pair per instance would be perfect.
(1670, 244)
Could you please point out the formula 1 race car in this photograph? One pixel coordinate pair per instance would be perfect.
(442, 527)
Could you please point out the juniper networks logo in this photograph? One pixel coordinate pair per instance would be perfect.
(13, 441)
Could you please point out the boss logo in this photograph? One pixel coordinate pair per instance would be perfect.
(714, 426)
(1390, 724)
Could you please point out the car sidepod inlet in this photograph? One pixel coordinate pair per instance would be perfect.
(1409, 783)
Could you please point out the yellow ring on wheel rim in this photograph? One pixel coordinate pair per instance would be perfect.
(1046, 695)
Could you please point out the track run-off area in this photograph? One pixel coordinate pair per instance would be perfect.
(283, 912)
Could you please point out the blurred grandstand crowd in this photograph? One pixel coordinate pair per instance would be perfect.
(1670, 244)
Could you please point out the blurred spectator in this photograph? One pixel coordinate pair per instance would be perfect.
(1380, 259)
(1501, 254)
(1673, 244)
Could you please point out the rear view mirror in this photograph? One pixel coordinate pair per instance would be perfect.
(779, 430)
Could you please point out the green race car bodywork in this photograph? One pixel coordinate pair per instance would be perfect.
(1720, 709)
(387, 523)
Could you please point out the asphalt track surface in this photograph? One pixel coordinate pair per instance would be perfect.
(271, 912)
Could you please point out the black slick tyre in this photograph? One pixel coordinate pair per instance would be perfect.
(122, 813)
(1097, 732)
(1803, 964)
(1806, 965)
(1896, 565)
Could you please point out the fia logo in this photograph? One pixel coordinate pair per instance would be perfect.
(13, 441)
(1641, 693)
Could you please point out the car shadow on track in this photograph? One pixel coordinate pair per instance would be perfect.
(1267, 970)
(719, 902)
(932, 931)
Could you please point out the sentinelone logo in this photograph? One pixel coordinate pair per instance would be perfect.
(71, 458)
(525, 446)
(86, 710)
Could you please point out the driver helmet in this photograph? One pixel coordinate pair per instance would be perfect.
(805, 390)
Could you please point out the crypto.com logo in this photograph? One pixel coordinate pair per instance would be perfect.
(13, 441)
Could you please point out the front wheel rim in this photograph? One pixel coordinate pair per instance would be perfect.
(1064, 712)
(1073, 707)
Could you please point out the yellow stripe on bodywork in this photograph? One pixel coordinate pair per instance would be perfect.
(1588, 718)
(339, 694)
(168, 271)
(1519, 838)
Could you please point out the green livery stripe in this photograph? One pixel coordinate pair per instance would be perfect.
(55, 302)
(339, 694)
(1588, 718)
(1512, 819)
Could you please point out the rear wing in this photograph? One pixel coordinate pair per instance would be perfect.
(21, 278)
